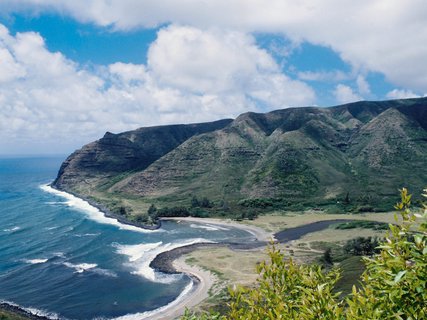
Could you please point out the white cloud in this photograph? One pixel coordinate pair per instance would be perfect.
(386, 36)
(401, 94)
(331, 76)
(363, 86)
(345, 94)
(191, 75)
(222, 64)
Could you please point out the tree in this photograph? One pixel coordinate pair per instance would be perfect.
(152, 212)
(205, 203)
(195, 202)
(394, 285)
(327, 257)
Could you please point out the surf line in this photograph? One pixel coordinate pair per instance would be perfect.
(91, 211)
(97, 215)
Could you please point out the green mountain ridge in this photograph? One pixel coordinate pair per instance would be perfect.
(356, 154)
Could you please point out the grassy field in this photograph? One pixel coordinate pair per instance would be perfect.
(234, 267)
(281, 220)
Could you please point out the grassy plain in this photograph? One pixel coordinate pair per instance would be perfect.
(238, 267)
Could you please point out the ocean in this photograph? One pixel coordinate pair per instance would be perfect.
(61, 258)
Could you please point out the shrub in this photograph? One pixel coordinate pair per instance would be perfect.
(394, 285)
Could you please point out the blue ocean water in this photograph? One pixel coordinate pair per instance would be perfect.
(60, 257)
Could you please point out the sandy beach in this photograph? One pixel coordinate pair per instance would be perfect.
(259, 233)
(203, 279)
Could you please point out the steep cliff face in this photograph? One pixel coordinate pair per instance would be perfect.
(297, 155)
(118, 154)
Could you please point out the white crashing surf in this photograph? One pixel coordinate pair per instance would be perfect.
(92, 267)
(42, 313)
(208, 227)
(34, 261)
(150, 314)
(92, 212)
(81, 267)
(13, 229)
(141, 255)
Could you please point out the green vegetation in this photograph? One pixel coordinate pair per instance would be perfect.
(349, 158)
(9, 315)
(362, 246)
(393, 286)
(375, 225)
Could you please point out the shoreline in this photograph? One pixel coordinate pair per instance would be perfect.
(171, 261)
(260, 234)
(20, 311)
(107, 213)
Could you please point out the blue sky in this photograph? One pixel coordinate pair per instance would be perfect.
(69, 71)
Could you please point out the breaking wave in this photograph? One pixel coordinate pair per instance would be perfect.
(92, 212)
(209, 227)
(140, 256)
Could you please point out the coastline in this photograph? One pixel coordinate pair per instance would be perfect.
(172, 262)
(20, 311)
(107, 213)
(260, 234)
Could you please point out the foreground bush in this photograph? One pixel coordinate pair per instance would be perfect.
(394, 285)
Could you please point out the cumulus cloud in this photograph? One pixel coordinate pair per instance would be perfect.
(363, 86)
(386, 36)
(345, 94)
(401, 94)
(191, 75)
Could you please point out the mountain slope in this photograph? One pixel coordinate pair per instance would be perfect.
(360, 152)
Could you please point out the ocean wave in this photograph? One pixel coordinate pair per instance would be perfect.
(92, 212)
(150, 314)
(81, 267)
(42, 313)
(87, 235)
(90, 267)
(55, 202)
(59, 254)
(105, 272)
(13, 229)
(140, 256)
(208, 227)
(51, 228)
(34, 261)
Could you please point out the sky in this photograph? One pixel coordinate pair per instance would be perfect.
(72, 70)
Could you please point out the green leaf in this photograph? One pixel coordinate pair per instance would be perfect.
(399, 276)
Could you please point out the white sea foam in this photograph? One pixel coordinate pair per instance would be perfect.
(34, 261)
(92, 212)
(87, 235)
(209, 227)
(13, 229)
(54, 202)
(59, 254)
(90, 267)
(105, 272)
(141, 255)
(42, 313)
(81, 267)
(51, 228)
(150, 314)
